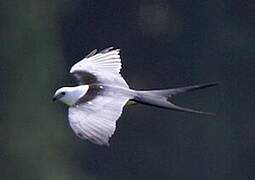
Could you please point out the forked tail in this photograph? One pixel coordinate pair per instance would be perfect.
(161, 98)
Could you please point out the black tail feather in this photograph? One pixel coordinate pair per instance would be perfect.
(160, 98)
(176, 91)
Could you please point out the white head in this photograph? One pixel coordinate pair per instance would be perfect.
(70, 95)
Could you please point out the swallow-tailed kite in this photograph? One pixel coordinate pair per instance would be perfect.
(97, 102)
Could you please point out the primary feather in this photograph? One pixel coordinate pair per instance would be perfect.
(103, 67)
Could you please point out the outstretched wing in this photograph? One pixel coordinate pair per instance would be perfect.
(95, 120)
(102, 67)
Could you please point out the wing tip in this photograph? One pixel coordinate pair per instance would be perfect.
(109, 49)
(103, 51)
(106, 50)
(92, 53)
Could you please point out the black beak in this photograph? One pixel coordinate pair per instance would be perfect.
(56, 97)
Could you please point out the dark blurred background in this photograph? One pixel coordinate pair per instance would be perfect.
(165, 43)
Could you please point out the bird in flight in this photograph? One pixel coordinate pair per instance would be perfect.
(97, 102)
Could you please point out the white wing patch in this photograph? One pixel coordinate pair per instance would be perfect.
(96, 120)
(105, 65)
(109, 62)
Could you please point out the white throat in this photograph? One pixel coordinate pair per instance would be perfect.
(72, 94)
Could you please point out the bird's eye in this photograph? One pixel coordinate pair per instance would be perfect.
(63, 93)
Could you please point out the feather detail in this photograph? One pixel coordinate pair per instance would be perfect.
(102, 67)
(108, 61)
